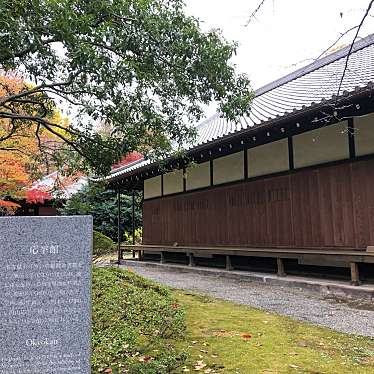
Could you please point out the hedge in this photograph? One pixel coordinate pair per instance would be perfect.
(102, 244)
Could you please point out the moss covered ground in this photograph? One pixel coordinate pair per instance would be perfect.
(141, 327)
(223, 337)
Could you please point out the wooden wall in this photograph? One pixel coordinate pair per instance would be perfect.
(324, 207)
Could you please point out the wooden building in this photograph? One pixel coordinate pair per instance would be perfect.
(292, 184)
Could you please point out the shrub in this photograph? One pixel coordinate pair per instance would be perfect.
(100, 202)
(102, 245)
(127, 237)
(133, 320)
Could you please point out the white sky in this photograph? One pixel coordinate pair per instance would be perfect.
(284, 32)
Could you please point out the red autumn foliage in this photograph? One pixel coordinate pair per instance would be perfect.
(35, 195)
(9, 204)
(131, 157)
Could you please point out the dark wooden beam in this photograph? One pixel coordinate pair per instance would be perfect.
(245, 164)
(133, 217)
(119, 225)
(211, 172)
(280, 267)
(290, 153)
(184, 180)
(351, 138)
(355, 274)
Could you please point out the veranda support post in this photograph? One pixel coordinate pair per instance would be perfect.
(133, 221)
(119, 225)
(133, 217)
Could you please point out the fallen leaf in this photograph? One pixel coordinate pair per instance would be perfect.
(246, 336)
(108, 370)
(293, 366)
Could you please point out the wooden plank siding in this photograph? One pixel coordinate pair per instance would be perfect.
(323, 207)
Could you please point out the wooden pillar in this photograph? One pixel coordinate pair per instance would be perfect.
(191, 261)
(119, 225)
(280, 267)
(228, 263)
(133, 217)
(355, 275)
(162, 258)
(133, 221)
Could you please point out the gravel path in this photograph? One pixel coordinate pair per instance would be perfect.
(299, 304)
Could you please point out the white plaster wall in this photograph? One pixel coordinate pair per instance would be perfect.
(198, 176)
(152, 187)
(228, 168)
(364, 135)
(322, 145)
(268, 158)
(173, 182)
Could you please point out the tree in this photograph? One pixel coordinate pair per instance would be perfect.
(142, 66)
(13, 177)
(101, 203)
(26, 151)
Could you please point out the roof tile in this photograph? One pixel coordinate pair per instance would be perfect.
(315, 83)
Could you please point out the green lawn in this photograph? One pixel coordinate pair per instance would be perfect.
(223, 337)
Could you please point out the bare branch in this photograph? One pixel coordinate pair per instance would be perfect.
(39, 88)
(336, 41)
(253, 14)
(351, 47)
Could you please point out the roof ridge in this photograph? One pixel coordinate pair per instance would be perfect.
(332, 57)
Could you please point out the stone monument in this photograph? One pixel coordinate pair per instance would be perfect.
(45, 294)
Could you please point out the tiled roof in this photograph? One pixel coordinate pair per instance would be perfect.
(66, 186)
(128, 168)
(295, 92)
